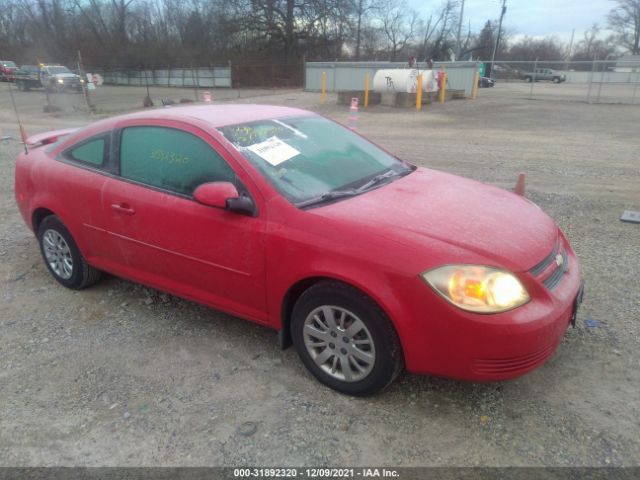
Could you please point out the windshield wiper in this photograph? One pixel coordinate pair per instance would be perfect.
(334, 194)
(376, 180)
(327, 196)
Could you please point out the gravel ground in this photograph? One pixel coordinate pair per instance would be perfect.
(120, 375)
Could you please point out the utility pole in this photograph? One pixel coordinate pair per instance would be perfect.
(495, 47)
(458, 41)
(566, 63)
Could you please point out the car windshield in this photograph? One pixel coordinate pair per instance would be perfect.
(310, 159)
(8, 64)
(57, 70)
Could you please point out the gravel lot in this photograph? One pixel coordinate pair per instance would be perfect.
(120, 375)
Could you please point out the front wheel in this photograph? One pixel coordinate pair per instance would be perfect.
(62, 257)
(345, 339)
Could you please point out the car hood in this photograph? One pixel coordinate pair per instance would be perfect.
(429, 205)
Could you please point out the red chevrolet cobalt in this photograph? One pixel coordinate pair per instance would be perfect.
(367, 264)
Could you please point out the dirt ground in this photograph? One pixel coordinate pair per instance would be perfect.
(119, 375)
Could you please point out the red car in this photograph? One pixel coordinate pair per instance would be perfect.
(367, 264)
(8, 70)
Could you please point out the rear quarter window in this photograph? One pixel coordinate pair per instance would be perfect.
(93, 152)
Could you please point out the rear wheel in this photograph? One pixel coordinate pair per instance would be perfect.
(528, 79)
(556, 80)
(62, 257)
(345, 339)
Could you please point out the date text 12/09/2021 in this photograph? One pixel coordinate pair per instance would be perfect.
(315, 473)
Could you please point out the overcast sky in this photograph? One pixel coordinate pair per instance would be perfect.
(532, 17)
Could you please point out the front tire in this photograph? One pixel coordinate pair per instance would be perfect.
(345, 339)
(62, 257)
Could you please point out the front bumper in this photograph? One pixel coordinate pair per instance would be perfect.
(68, 84)
(452, 343)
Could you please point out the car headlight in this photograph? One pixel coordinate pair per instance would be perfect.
(477, 288)
(60, 80)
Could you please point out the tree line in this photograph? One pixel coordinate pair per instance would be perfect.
(134, 33)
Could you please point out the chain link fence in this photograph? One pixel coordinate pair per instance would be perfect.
(596, 81)
(115, 90)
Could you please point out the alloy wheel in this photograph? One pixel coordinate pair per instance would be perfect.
(58, 254)
(339, 343)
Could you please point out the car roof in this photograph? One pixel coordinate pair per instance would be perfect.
(217, 115)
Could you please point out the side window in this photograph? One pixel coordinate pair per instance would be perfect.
(170, 159)
(92, 152)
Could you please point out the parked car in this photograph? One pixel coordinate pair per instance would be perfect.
(7, 70)
(486, 82)
(547, 74)
(366, 263)
(55, 78)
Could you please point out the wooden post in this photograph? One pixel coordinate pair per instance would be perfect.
(85, 89)
(366, 90)
(419, 93)
(324, 88)
(474, 90)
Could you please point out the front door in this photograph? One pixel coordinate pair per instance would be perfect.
(163, 238)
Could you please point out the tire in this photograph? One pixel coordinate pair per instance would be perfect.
(20, 86)
(62, 257)
(528, 79)
(360, 360)
(556, 80)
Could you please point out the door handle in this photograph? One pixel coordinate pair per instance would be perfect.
(123, 208)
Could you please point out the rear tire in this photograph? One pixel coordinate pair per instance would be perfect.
(345, 339)
(62, 256)
(528, 79)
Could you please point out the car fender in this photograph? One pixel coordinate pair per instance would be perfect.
(299, 258)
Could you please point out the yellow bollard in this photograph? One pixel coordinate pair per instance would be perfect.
(366, 90)
(323, 95)
(474, 90)
(419, 93)
(443, 89)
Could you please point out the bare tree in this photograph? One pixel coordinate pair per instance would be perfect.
(437, 30)
(362, 8)
(530, 49)
(591, 46)
(624, 19)
(398, 23)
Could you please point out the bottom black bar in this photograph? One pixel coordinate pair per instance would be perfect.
(405, 473)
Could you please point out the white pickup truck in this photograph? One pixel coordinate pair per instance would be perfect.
(544, 74)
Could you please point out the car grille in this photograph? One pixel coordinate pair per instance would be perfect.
(552, 278)
(514, 364)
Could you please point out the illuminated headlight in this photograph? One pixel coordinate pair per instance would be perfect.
(60, 80)
(477, 288)
(82, 80)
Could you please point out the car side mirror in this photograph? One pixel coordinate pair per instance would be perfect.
(224, 195)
